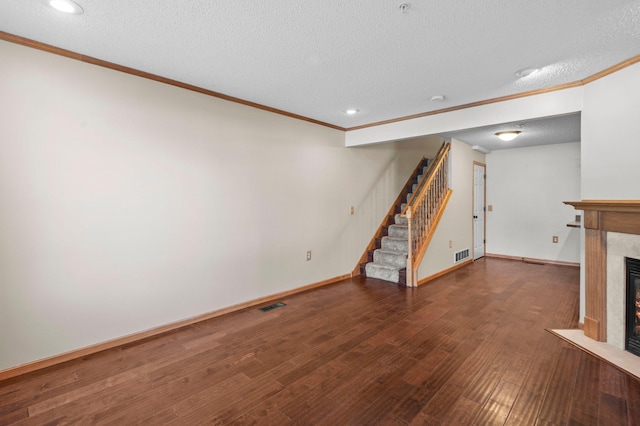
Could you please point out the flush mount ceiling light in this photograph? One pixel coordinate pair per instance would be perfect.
(526, 72)
(352, 111)
(508, 135)
(437, 98)
(66, 6)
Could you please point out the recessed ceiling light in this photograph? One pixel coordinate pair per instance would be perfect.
(66, 6)
(437, 98)
(526, 72)
(352, 111)
(508, 135)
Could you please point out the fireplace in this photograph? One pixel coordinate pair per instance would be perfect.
(611, 236)
(632, 341)
(612, 233)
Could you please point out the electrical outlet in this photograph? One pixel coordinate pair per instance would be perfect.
(450, 244)
(352, 210)
(555, 239)
(309, 255)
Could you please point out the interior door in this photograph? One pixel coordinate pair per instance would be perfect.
(478, 210)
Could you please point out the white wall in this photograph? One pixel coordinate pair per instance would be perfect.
(456, 224)
(127, 204)
(526, 188)
(610, 141)
(610, 136)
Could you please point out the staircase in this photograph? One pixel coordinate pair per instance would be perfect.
(388, 261)
(401, 241)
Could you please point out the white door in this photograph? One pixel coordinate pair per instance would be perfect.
(478, 210)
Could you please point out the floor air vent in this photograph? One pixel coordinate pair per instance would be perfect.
(270, 307)
(461, 255)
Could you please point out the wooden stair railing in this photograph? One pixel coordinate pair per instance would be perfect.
(424, 210)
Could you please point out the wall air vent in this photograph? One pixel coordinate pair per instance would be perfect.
(460, 255)
(270, 307)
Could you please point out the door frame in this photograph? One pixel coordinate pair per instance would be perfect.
(473, 205)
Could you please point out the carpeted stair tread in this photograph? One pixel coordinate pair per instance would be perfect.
(383, 265)
(401, 220)
(399, 231)
(395, 244)
(382, 271)
(388, 257)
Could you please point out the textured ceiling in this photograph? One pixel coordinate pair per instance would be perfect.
(319, 58)
(547, 131)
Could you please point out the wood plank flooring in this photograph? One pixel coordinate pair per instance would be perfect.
(469, 348)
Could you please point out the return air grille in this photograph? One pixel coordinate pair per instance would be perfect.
(461, 255)
(270, 307)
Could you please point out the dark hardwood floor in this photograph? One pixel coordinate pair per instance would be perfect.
(469, 348)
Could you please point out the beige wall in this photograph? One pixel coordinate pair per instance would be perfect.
(456, 224)
(128, 204)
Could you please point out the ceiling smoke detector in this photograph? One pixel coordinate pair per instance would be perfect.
(526, 72)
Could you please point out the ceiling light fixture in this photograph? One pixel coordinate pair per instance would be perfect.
(66, 6)
(352, 111)
(509, 135)
(526, 72)
(437, 98)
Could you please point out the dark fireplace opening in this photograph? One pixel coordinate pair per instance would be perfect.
(633, 305)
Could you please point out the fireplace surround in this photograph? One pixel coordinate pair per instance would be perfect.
(603, 217)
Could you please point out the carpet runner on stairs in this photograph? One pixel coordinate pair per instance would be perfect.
(391, 258)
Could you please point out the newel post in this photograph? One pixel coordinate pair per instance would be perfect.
(409, 250)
